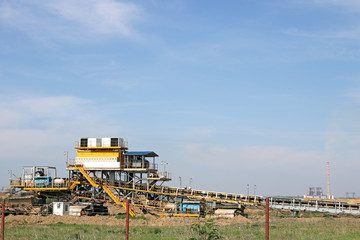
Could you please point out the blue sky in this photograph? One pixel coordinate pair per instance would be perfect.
(228, 93)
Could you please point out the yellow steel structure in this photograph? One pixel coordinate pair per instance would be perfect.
(68, 185)
(105, 187)
(136, 178)
(170, 191)
(93, 154)
(116, 200)
(83, 172)
(158, 190)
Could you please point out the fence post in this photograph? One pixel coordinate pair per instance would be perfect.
(127, 219)
(267, 220)
(3, 220)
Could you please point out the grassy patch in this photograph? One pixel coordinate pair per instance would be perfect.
(123, 216)
(280, 228)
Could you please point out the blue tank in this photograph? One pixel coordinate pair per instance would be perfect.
(42, 182)
(190, 207)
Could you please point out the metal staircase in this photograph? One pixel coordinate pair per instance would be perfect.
(108, 189)
(112, 194)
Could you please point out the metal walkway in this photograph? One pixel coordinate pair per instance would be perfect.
(294, 205)
(298, 205)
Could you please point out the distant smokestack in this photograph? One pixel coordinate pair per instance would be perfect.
(328, 180)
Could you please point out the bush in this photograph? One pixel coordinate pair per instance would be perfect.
(206, 230)
(156, 230)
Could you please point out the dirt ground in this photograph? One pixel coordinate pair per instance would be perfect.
(13, 220)
(256, 214)
(3, 195)
(42, 221)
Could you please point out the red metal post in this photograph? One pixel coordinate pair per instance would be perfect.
(267, 220)
(3, 220)
(127, 219)
(328, 180)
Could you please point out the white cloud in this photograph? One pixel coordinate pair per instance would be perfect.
(250, 157)
(274, 169)
(32, 111)
(102, 16)
(70, 19)
(46, 123)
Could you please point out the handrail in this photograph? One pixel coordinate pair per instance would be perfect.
(117, 201)
(33, 184)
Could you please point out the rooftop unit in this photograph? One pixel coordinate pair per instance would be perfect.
(100, 143)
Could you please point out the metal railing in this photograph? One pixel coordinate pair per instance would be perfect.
(34, 184)
(314, 206)
(164, 190)
(139, 165)
(160, 175)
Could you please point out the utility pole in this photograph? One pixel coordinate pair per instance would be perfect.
(254, 189)
(190, 181)
(247, 189)
(328, 180)
(180, 181)
(66, 153)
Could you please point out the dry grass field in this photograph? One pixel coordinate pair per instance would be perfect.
(283, 226)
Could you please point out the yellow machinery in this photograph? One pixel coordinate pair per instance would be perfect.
(105, 170)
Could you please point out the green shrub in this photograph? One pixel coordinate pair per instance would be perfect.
(206, 230)
(156, 230)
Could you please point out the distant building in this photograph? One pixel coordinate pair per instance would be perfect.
(315, 192)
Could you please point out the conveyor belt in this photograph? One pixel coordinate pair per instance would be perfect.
(157, 190)
(297, 205)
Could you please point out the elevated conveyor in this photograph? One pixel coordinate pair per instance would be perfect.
(300, 205)
(109, 187)
(168, 191)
